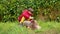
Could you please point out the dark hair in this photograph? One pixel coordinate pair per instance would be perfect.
(30, 9)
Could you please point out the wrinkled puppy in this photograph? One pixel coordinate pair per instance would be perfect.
(28, 24)
(31, 24)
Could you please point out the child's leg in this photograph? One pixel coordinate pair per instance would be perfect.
(22, 20)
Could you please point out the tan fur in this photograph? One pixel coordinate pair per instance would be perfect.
(34, 25)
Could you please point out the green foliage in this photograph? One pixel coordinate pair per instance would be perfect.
(11, 9)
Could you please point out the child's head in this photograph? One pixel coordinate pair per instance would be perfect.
(31, 10)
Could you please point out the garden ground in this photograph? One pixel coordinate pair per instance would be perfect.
(14, 28)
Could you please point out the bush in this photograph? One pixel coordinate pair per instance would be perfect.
(11, 9)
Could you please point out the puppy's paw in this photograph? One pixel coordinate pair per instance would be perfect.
(38, 27)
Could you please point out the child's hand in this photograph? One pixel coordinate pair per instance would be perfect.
(20, 22)
(31, 18)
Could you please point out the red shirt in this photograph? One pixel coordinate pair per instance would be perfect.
(26, 13)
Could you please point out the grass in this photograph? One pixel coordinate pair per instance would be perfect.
(14, 28)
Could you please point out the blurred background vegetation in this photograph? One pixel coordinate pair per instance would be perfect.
(43, 9)
(46, 12)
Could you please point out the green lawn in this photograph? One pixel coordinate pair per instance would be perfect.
(14, 28)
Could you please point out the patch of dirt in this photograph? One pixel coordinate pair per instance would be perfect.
(51, 31)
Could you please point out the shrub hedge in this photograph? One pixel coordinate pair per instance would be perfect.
(11, 9)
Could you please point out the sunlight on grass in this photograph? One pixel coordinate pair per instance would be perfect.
(15, 28)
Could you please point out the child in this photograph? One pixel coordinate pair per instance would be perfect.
(26, 15)
(26, 18)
